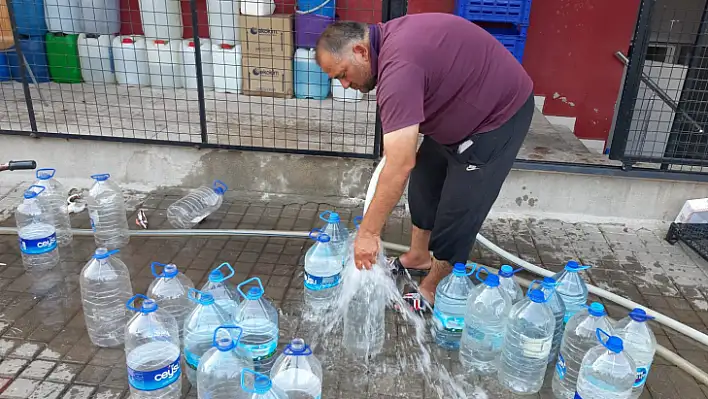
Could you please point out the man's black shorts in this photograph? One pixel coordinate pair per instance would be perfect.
(451, 193)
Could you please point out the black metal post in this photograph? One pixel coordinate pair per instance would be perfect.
(200, 74)
(23, 73)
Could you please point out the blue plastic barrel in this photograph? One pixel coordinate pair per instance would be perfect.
(36, 55)
(29, 17)
(325, 8)
(4, 67)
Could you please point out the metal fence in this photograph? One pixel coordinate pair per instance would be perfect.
(663, 109)
(108, 70)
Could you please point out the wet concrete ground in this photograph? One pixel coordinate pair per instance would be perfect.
(45, 351)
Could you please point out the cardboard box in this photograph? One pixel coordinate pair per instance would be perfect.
(268, 76)
(694, 211)
(267, 36)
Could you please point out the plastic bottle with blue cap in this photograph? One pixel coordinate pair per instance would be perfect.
(607, 371)
(323, 271)
(297, 372)
(105, 288)
(485, 321)
(336, 230)
(640, 344)
(528, 339)
(152, 351)
(194, 207)
(218, 286)
(572, 288)
(220, 369)
(509, 285)
(260, 386)
(555, 302)
(170, 290)
(36, 231)
(199, 328)
(259, 320)
(579, 337)
(450, 306)
(106, 209)
(54, 196)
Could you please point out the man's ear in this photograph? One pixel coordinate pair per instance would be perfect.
(361, 50)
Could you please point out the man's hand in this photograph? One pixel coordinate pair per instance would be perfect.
(366, 249)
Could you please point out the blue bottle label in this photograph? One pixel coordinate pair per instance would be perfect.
(452, 324)
(156, 379)
(561, 367)
(577, 396)
(641, 378)
(38, 246)
(316, 283)
(191, 359)
(261, 352)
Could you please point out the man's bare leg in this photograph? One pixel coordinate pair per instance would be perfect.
(418, 257)
(438, 271)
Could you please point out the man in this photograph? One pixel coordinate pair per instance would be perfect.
(448, 79)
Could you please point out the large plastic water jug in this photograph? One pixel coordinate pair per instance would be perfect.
(450, 306)
(63, 16)
(170, 290)
(259, 320)
(191, 209)
(310, 80)
(509, 285)
(527, 342)
(35, 53)
(261, 387)
(101, 17)
(318, 7)
(105, 288)
(106, 207)
(348, 95)
(223, 21)
(555, 302)
(220, 369)
(607, 371)
(30, 18)
(485, 322)
(36, 231)
(323, 269)
(297, 372)
(165, 61)
(336, 230)
(227, 67)
(189, 63)
(63, 58)
(161, 19)
(579, 337)
(219, 287)
(640, 344)
(54, 195)
(308, 28)
(152, 352)
(131, 60)
(572, 288)
(257, 7)
(96, 58)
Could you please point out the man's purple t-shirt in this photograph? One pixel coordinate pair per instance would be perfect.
(446, 74)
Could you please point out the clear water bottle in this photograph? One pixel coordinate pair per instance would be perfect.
(450, 305)
(105, 288)
(191, 209)
(579, 337)
(152, 352)
(35, 227)
(259, 320)
(220, 369)
(297, 372)
(365, 315)
(337, 232)
(509, 285)
(527, 342)
(55, 197)
(261, 387)
(219, 287)
(323, 271)
(106, 207)
(555, 302)
(607, 371)
(485, 321)
(572, 288)
(640, 344)
(199, 328)
(170, 290)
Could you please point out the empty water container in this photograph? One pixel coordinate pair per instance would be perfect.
(310, 80)
(96, 58)
(36, 231)
(348, 95)
(227, 67)
(101, 17)
(63, 58)
(106, 208)
(218, 286)
(54, 195)
(572, 288)
(297, 372)
(131, 61)
(317, 7)
(485, 321)
(35, 55)
(640, 344)
(189, 63)
(579, 337)
(220, 369)
(323, 270)
(450, 306)
(607, 371)
(170, 290)
(555, 302)
(191, 209)
(527, 342)
(165, 63)
(509, 285)
(30, 18)
(336, 230)
(261, 386)
(63, 16)
(259, 320)
(161, 19)
(223, 18)
(257, 7)
(152, 352)
(105, 288)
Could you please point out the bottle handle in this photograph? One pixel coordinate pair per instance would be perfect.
(41, 175)
(227, 328)
(314, 233)
(106, 255)
(101, 176)
(472, 269)
(324, 216)
(132, 301)
(250, 280)
(600, 332)
(479, 270)
(153, 268)
(219, 187)
(256, 376)
(36, 189)
(226, 276)
(195, 295)
(357, 221)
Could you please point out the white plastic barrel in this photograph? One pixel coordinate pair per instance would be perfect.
(349, 95)
(101, 17)
(227, 67)
(131, 60)
(189, 63)
(95, 58)
(165, 62)
(161, 19)
(63, 16)
(257, 7)
(223, 20)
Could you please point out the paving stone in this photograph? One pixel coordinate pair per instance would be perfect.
(7, 345)
(27, 350)
(109, 393)
(38, 369)
(20, 389)
(48, 390)
(12, 367)
(65, 372)
(79, 392)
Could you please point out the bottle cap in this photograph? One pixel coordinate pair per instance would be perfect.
(613, 344)
(101, 177)
(219, 187)
(297, 347)
(127, 40)
(492, 280)
(330, 217)
(640, 315)
(596, 309)
(224, 340)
